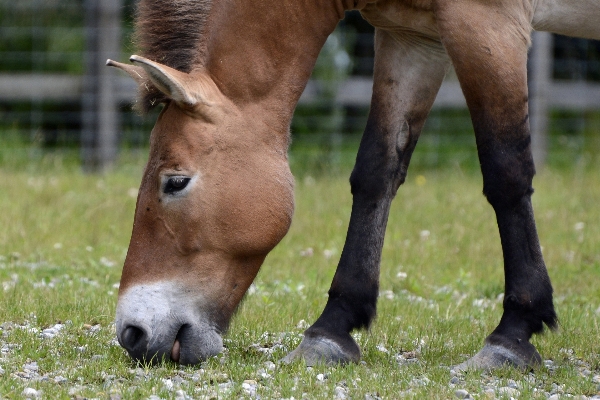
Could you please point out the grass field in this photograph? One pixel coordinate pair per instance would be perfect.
(64, 235)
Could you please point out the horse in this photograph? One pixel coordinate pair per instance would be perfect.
(217, 192)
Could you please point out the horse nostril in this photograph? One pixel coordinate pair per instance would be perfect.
(132, 337)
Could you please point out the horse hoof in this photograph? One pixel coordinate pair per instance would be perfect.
(321, 350)
(494, 356)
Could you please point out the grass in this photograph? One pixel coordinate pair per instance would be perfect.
(64, 236)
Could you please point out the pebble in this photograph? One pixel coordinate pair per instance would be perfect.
(262, 373)
(31, 366)
(509, 391)
(339, 393)
(512, 384)
(50, 333)
(7, 326)
(462, 394)
(249, 389)
(180, 395)
(270, 365)
(250, 385)
(30, 392)
(168, 383)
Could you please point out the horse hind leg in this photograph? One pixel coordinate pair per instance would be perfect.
(409, 70)
(492, 72)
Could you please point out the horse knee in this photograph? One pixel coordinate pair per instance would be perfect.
(382, 162)
(375, 178)
(507, 178)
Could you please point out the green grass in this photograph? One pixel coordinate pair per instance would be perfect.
(64, 236)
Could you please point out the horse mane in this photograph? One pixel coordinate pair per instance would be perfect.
(169, 32)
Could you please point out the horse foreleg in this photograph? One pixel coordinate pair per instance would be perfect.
(408, 72)
(487, 42)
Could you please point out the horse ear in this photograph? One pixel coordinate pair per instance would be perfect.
(137, 73)
(177, 85)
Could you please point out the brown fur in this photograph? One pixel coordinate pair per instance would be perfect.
(231, 72)
(169, 32)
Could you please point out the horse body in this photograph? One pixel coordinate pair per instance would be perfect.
(217, 193)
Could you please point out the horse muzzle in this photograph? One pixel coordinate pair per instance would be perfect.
(161, 321)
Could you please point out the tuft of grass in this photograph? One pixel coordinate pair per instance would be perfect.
(63, 241)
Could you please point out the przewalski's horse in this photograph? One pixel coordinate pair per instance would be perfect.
(217, 193)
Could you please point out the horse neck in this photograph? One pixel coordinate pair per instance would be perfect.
(261, 53)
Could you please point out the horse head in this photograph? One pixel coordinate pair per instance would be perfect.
(214, 199)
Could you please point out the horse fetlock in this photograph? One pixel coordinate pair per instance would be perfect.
(528, 313)
(320, 349)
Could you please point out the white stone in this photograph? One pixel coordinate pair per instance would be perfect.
(339, 393)
(30, 392)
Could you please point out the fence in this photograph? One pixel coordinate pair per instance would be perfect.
(53, 79)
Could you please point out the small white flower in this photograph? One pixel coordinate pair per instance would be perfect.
(388, 294)
(382, 348)
(308, 252)
(401, 275)
(328, 253)
(132, 192)
(106, 262)
(302, 324)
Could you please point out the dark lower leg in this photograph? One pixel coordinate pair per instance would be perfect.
(355, 287)
(353, 294)
(528, 292)
(528, 295)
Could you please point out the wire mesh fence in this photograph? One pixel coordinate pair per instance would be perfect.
(44, 45)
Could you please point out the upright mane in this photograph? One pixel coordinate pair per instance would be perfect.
(169, 32)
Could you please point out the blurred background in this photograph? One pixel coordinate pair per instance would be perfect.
(59, 101)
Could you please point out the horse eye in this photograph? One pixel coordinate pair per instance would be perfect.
(175, 184)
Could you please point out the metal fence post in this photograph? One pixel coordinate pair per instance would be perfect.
(100, 115)
(540, 80)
